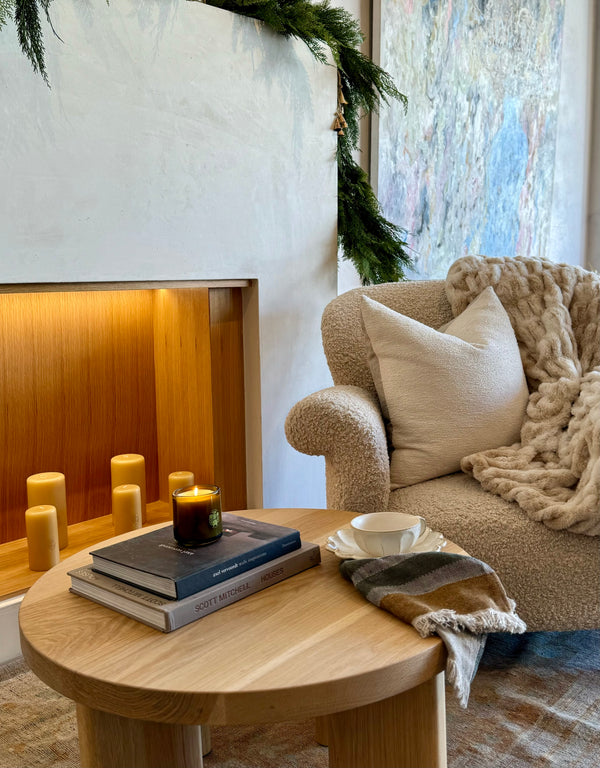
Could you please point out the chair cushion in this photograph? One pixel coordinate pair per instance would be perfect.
(446, 394)
(554, 576)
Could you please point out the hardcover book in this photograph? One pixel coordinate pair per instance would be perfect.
(167, 615)
(156, 562)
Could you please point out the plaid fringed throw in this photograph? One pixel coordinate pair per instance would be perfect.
(457, 597)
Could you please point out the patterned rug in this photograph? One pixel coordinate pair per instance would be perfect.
(535, 702)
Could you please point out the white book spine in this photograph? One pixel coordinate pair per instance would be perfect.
(167, 615)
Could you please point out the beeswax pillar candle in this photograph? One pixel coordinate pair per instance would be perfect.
(179, 480)
(126, 508)
(130, 468)
(41, 527)
(49, 488)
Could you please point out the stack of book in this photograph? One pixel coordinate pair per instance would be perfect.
(153, 579)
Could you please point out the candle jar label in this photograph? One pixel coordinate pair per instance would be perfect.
(197, 515)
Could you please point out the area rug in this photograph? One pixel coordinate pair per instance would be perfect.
(535, 702)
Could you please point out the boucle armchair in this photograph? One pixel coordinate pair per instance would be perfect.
(553, 575)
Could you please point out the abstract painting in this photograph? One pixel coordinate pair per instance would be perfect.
(468, 167)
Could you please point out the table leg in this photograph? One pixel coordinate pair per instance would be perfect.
(206, 739)
(321, 731)
(404, 731)
(111, 741)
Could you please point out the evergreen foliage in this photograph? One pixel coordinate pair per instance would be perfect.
(6, 11)
(29, 30)
(375, 246)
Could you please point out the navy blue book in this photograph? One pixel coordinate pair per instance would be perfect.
(156, 562)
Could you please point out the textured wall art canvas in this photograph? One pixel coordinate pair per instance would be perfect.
(468, 168)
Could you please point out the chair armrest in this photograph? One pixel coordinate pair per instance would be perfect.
(344, 424)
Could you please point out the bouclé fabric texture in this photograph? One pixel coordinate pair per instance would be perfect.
(553, 473)
(446, 394)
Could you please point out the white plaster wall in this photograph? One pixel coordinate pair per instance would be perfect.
(179, 141)
(10, 644)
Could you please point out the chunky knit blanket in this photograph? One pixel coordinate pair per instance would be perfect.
(553, 473)
(454, 596)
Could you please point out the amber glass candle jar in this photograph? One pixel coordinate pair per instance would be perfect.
(197, 515)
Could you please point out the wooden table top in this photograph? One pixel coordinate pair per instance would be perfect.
(308, 646)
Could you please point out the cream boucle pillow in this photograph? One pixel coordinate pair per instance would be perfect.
(448, 394)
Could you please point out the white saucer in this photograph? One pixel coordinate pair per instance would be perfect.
(343, 545)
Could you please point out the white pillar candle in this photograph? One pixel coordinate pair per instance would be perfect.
(49, 488)
(130, 469)
(42, 537)
(179, 480)
(126, 508)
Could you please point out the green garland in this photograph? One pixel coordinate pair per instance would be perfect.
(26, 15)
(375, 246)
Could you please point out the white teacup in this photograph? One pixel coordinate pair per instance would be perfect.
(387, 533)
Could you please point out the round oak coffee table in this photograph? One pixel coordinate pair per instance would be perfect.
(310, 646)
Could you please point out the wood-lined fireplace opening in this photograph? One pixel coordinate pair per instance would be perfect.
(88, 374)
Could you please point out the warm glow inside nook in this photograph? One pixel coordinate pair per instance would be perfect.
(89, 369)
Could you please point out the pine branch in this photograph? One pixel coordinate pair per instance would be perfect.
(375, 246)
(6, 11)
(29, 31)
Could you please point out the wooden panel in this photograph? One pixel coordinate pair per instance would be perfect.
(76, 387)
(184, 414)
(227, 370)
(79, 383)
